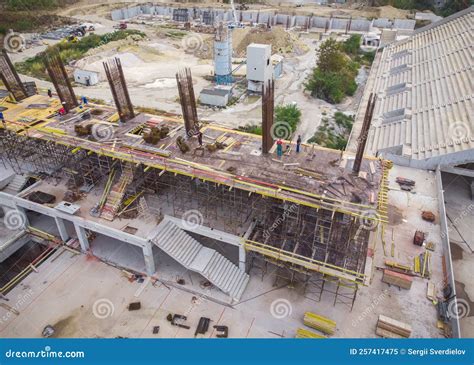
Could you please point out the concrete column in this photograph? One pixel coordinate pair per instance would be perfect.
(82, 236)
(62, 229)
(242, 257)
(149, 259)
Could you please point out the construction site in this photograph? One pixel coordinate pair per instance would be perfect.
(119, 222)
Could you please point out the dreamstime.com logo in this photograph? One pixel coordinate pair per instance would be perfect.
(103, 308)
(47, 353)
(14, 219)
(102, 132)
(288, 210)
(459, 130)
(22, 300)
(14, 42)
(459, 308)
(370, 308)
(369, 220)
(192, 219)
(192, 43)
(281, 308)
(281, 130)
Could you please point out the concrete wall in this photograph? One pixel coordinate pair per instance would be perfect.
(264, 17)
(456, 158)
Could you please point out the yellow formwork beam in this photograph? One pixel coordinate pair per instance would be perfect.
(306, 262)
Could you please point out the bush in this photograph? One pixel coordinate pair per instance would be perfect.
(333, 135)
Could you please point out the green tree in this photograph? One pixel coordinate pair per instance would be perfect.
(330, 57)
(335, 72)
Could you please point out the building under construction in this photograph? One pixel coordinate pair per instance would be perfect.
(178, 188)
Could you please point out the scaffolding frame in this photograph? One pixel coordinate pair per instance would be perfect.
(302, 241)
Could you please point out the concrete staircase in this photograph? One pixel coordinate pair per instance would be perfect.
(16, 185)
(209, 263)
(116, 194)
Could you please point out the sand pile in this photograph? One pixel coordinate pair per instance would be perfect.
(282, 42)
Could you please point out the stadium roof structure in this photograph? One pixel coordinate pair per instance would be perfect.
(424, 85)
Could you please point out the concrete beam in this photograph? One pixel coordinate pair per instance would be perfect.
(458, 171)
(85, 223)
(82, 236)
(62, 229)
(242, 258)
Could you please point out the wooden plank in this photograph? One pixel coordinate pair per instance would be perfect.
(304, 333)
(394, 326)
(396, 278)
(320, 323)
(386, 334)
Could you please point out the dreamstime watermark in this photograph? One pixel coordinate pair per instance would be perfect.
(192, 43)
(14, 42)
(47, 353)
(458, 308)
(22, 300)
(459, 130)
(281, 130)
(291, 209)
(281, 308)
(14, 219)
(102, 132)
(369, 220)
(370, 308)
(103, 308)
(192, 219)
